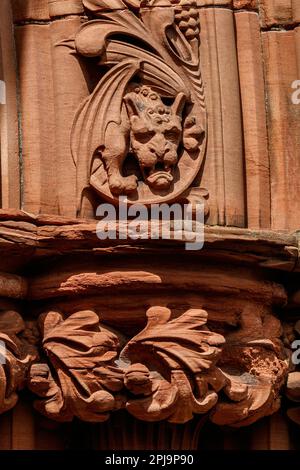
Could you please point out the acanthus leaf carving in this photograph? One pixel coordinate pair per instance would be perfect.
(81, 378)
(183, 348)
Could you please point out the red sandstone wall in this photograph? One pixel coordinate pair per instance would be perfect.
(250, 58)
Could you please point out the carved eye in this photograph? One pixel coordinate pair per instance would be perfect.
(172, 134)
(151, 112)
(143, 137)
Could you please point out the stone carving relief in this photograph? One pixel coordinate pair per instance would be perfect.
(17, 352)
(172, 370)
(142, 131)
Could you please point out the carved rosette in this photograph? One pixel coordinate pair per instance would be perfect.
(172, 370)
(142, 131)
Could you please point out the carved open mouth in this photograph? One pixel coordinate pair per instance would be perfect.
(159, 175)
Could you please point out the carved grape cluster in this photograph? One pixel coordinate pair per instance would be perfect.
(187, 17)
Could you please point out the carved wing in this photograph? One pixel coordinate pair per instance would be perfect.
(92, 118)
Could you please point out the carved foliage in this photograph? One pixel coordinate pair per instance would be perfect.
(292, 342)
(16, 355)
(173, 369)
(149, 102)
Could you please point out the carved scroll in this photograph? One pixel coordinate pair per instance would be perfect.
(142, 132)
(172, 370)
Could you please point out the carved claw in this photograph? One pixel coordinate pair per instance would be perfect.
(122, 185)
(192, 134)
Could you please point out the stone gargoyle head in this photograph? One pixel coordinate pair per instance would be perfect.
(155, 134)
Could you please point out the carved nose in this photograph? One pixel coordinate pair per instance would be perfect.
(158, 151)
(159, 146)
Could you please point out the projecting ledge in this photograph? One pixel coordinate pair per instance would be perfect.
(24, 237)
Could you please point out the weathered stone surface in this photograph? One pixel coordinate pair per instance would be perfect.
(16, 355)
(20, 231)
(293, 394)
(127, 113)
(160, 101)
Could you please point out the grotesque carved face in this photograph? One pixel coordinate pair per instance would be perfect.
(155, 134)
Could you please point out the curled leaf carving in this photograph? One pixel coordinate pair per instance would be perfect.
(16, 355)
(183, 347)
(81, 379)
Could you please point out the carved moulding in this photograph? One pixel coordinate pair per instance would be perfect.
(171, 370)
(142, 131)
(17, 352)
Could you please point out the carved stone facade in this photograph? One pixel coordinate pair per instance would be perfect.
(139, 343)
